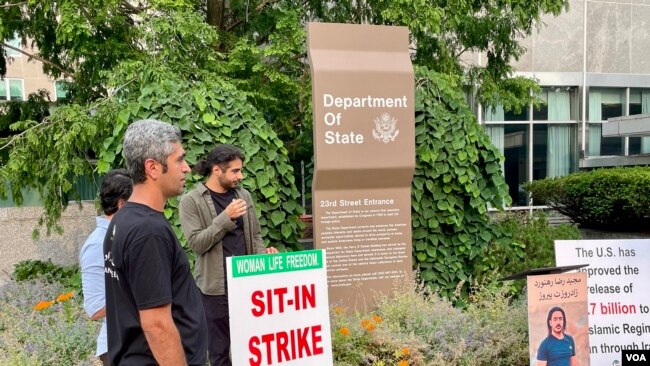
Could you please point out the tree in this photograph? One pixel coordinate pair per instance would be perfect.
(444, 33)
(182, 60)
(180, 85)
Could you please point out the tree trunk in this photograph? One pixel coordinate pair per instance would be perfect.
(216, 13)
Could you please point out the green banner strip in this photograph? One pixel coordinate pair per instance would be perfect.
(261, 264)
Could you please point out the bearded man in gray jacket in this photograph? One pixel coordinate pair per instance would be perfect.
(218, 220)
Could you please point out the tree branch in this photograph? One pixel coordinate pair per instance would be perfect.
(133, 9)
(13, 138)
(10, 141)
(258, 8)
(460, 52)
(58, 67)
(10, 5)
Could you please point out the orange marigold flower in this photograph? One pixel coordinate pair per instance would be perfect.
(405, 351)
(368, 324)
(338, 310)
(403, 363)
(43, 305)
(344, 331)
(64, 297)
(376, 318)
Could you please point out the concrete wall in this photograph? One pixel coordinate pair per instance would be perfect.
(617, 35)
(16, 243)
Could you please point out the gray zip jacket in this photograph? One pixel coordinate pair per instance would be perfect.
(204, 231)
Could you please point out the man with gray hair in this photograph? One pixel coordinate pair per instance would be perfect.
(153, 307)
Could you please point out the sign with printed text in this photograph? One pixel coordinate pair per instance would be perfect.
(558, 324)
(364, 157)
(279, 309)
(618, 297)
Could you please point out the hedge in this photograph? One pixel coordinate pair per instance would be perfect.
(615, 199)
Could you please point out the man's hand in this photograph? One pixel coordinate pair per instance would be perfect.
(271, 250)
(236, 208)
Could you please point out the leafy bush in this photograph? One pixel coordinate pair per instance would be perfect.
(41, 323)
(533, 237)
(612, 199)
(209, 110)
(457, 176)
(68, 276)
(417, 327)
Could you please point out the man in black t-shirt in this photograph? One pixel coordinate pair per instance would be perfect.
(153, 307)
(218, 219)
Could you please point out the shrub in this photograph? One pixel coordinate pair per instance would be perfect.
(612, 199)
(533, 237)
(43, 323)
(457, 176)
(68, 276)
(417, 327)
(536, 238)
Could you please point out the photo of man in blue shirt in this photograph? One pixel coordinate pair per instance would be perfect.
(558, 348)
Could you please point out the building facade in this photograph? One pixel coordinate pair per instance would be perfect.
(25, 76)
(593, 63)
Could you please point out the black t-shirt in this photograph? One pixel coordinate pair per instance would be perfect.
(145, 267)
(233, 242)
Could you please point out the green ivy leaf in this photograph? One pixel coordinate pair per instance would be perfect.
(209, 118)
(262, 179)
(286, 230)
(268, 191)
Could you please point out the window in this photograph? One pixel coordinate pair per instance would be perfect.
(515, 150)
(14, 42)
(639, 101)
(639, 104)
(512, 141)
(554, 138)
(541, 113)
(11, 89)
(604, 103)
(516, 116)
(61, 89)
(554, 150)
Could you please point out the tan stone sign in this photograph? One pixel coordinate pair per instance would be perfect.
(364, 146)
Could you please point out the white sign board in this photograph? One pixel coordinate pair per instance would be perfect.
(618, 297)
(279, 309)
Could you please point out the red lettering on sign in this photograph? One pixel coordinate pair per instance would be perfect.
(283, 345)
(265, 302)
(252, 348)
(256, 299)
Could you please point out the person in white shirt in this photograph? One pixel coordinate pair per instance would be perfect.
(115, 190)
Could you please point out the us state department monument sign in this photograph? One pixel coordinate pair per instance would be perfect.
(364, 147)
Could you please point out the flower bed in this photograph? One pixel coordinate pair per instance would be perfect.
(44, 324)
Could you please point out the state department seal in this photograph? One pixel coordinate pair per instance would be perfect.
(385, 129)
